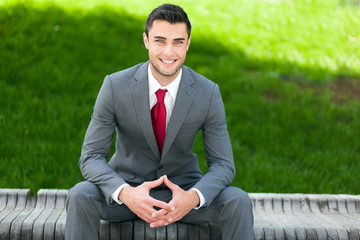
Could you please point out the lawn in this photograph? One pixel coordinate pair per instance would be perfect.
(289, 74)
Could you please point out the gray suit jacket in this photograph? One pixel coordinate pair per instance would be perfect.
(123, 104)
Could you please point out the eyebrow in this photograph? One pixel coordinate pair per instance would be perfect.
(176, 39)
(159, 37)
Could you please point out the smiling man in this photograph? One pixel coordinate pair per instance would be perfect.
(157, 108)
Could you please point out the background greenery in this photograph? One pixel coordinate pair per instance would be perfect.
(288, 71)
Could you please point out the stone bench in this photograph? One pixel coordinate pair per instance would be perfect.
(276, 216)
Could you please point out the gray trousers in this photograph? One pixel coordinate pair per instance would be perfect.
(231, 210)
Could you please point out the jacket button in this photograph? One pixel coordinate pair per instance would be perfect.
(160, 167)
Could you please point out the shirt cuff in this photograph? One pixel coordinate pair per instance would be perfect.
(201, 197)
(115, 194)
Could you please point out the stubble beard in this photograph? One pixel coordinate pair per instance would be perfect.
(169, 75)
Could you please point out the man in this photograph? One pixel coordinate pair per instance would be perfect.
(157, 108)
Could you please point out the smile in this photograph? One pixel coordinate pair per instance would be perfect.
(168, 62)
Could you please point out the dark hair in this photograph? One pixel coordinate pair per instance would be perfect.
(168, 12)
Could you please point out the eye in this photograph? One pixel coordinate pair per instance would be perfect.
(159, 41)
(178, 42)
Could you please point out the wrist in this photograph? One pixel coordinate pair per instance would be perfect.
(124, 193)
(195, 197)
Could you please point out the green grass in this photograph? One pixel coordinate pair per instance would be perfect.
(288, 71)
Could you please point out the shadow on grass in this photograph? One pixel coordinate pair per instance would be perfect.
(282, 120)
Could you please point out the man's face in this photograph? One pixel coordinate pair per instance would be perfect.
(167, 44)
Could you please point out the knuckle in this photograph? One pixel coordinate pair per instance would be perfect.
(142, 205)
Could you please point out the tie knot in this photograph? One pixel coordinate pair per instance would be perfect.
(160, 94)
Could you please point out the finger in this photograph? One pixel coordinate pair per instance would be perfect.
(145, 215)
(164, 220)
(169, 184)
(148, 215)
(145, 212)
(159, 223)
(154, 183)
(160, 214)
(163, 205)
(146, 218)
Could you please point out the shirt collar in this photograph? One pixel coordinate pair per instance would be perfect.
(172, 88)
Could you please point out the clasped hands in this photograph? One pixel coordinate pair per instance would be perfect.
(139, 201)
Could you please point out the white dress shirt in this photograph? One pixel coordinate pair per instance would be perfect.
(169, 102)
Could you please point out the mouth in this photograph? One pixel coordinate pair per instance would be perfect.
(168, 61)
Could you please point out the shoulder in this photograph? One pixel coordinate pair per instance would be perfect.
(199, 81)
(125, 75)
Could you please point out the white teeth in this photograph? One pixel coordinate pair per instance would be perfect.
(167, 61)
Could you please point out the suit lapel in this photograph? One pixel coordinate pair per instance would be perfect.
(184, 99)
(140, 94)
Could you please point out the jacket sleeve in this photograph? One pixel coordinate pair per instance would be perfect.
(97, 143)
(218, 150)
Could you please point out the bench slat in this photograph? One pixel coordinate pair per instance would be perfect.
(104, 230)
(171, 231)
(150, 233)
(161, 233)
(127, 230)
(6, 223)
(115, 230)
(139, 230)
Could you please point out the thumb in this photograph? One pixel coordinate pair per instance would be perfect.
(154, 183)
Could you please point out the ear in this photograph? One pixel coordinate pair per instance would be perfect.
(146, 41)
(188, 43)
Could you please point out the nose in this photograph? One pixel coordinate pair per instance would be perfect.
(168, 49)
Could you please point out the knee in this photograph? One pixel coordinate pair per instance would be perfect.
(81, 192)
(238, 198)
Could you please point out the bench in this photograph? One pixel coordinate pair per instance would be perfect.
(276, 216)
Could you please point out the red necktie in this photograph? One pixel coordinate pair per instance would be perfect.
(158, 118)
